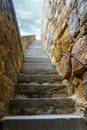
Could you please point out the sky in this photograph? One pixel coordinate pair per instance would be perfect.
(29, 15)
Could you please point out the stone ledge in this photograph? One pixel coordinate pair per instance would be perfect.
(40, 90)
(51, 122)
(41, 102)
(40, 78)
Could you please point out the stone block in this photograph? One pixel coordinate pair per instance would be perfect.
(73, 23)
(65, 66)
(60, 122)
(59, 105)
(11, 54)
(85, 85)
(41, 90)
(79, 51)
(40, 78)
(82, 7)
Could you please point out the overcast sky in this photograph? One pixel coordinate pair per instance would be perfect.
(29, 13)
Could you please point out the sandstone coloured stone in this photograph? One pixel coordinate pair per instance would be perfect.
(85, 85)
(11, 55)
(79, 51)
(65, 67)
(69, 20)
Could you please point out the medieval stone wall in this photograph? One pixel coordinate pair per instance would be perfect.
(64, 26)
(11, 55)
(26, 40)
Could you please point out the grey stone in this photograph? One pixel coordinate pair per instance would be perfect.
(81, 108)
(82, 11)
(85, 84)
(35, 50)
(38, 71)
(71, 4)
(37, 66)
(36, 60)
(38, 89)
(73, 23)
(41, 103)
(51, 122)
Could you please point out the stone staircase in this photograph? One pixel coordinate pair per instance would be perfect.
(41, 101)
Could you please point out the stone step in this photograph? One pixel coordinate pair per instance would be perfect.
(30, 47)
(36, 60)
(38, 66)
(34, 46)
(45, 122)
(41, 106)
(37, 56)
(36, 43)
(35, 53)
(33, 50)
(40, 78)
(38, 71)
(40, 91)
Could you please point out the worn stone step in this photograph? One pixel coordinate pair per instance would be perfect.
(34, 46)
(30, 47)
(33, 50)
(38, 53)
(40, 78)
(49, 122)
(38, 66)
(38, 90)
(38, 71)
(36, 43)
(36, 56)
(41, 106)
(36, 60)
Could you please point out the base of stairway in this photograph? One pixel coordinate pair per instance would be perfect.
(45, 122)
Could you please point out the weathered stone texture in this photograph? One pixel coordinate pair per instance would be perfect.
(64, 25)
(10, 53)
(26, 40)
(80, 51)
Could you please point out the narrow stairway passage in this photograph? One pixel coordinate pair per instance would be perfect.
(35, 58)
(41, 101)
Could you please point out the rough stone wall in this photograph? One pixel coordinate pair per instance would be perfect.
(26, 40)
(11, 55)
(64, 26)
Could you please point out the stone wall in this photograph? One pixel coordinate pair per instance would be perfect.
(26, 40)
(11, 55)
(64, 26)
